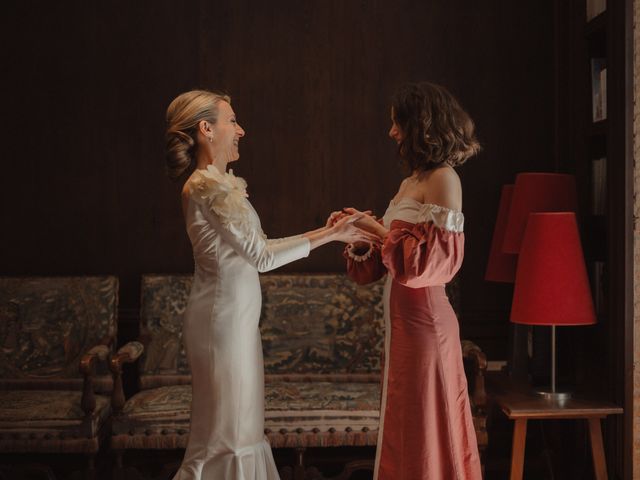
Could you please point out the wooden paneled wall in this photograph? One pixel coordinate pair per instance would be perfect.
(86, 85)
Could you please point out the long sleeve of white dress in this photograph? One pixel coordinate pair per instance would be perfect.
(263, 254)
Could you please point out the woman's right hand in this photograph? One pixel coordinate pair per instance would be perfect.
(334, 217)
(345, 230)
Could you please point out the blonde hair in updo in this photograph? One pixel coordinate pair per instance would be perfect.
(183, 115)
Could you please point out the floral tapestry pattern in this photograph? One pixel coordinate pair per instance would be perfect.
(310, 324)
(46, 324)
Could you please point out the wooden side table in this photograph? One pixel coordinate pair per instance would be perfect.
(522, 405)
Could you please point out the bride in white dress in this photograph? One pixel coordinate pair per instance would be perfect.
(221, 335)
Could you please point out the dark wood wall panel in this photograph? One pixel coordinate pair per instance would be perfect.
(86, 86)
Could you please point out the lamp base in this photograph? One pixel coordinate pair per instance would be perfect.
(556, 397)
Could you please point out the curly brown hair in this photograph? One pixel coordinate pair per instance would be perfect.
(435, 128)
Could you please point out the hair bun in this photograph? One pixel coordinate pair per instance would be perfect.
(180, 152)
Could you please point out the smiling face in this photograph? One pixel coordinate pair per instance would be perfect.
(395, 132)
(226, 133)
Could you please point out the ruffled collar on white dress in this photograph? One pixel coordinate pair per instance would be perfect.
(224, 193)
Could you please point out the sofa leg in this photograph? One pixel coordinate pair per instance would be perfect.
(355, 466)
(285, 473)
(90, 472)
(483, 454)
(298, 469)
(118, 467)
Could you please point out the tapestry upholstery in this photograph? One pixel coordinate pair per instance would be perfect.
(310, 324)
(47, 325)
(321, 324)
(162, 305)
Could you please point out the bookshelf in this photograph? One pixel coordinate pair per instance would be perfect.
(595, 214)
(593, 141)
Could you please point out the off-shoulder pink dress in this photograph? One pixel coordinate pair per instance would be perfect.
(426, 427)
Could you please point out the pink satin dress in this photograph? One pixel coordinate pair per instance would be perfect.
(426, 427)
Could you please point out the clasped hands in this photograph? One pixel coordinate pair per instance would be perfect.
(354, 226)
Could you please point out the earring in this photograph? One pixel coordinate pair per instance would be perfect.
(210, 139)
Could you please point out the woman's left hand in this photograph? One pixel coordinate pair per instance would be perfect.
(347, 231)
(340, 214)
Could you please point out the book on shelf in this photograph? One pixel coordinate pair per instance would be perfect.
(598, 186)
(603, 92)
(599, 89)
(595, 8)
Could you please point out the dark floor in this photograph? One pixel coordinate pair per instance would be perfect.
(541, 462)
(161, 465)
(557, 450)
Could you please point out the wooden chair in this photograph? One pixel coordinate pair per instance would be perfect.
(56, 335)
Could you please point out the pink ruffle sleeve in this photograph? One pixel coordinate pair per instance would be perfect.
(364, 266)
(422, 254)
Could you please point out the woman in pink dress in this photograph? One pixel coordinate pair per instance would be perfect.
(426, 427)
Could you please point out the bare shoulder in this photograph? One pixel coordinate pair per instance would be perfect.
(445, 176)
(442, 186)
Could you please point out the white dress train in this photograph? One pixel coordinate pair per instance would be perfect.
(221, 335)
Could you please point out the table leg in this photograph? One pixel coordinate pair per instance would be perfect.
(517, 450)
(597, 449)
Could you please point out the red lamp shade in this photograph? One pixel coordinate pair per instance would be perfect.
(537, 192)
(552, 287)
(501, 267)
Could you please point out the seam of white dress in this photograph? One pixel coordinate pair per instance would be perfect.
(211, 363)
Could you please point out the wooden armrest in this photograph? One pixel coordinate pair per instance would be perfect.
(472, 352)
(126, 354)
(88, 363)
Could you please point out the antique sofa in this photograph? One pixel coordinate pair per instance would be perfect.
(323, 348)
(55, 333)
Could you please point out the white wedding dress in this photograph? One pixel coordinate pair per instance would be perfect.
(221, 334)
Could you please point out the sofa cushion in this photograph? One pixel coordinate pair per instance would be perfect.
(161, 410)
(292, 408)
(49, 415)
(320, 414)
(298, 414)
